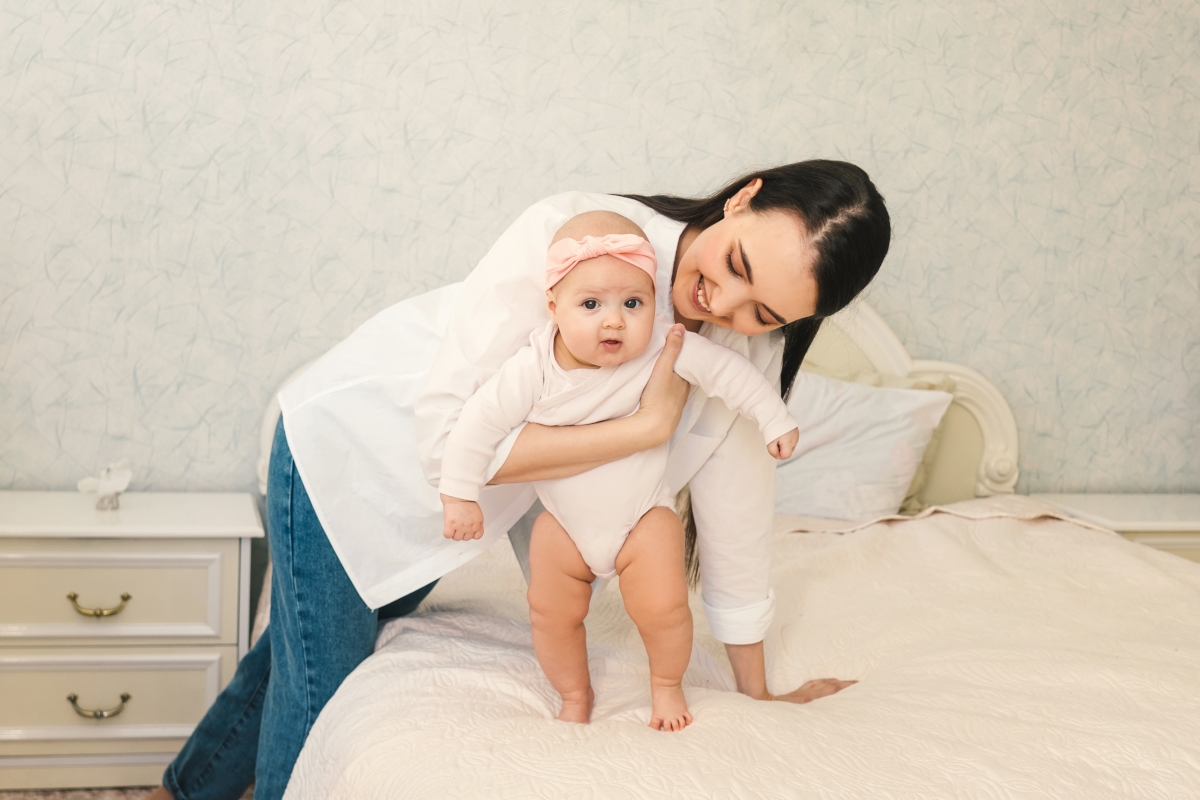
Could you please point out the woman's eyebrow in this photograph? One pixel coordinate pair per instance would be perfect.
(750, 280)
(746, 263)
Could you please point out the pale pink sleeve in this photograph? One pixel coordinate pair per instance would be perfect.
(722, 373)
(488, 416)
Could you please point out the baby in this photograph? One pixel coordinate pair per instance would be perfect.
(589, 364)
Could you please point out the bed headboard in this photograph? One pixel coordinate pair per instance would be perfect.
(977, 456)
(978, 452)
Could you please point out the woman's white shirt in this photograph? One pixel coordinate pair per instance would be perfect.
(367, 424)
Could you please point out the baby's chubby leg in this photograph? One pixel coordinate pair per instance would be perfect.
(654, 587)
(560, 588)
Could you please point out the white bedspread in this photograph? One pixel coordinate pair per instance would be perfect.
(997, 658)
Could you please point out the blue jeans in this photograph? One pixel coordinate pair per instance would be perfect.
(320, 631)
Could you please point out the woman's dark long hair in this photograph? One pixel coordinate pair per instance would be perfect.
(843, 216)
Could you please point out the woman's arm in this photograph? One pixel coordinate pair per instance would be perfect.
(750, 673)
(749, 669)
(544, 453)
(733, 503)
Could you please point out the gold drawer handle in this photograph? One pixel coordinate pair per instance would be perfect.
(99, 612)
(98, 713)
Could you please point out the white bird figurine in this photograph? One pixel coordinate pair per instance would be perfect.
(113, 480)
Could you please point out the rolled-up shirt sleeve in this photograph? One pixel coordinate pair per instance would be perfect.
(733, 502)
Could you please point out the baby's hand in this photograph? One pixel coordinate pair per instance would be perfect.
(463, 519)
(782, 447)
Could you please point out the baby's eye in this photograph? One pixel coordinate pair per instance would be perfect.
(590, 305)
(632, 302)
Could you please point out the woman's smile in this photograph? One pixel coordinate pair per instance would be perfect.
(700, 297)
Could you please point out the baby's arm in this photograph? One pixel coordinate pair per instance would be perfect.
(499, 405)
(720, 372)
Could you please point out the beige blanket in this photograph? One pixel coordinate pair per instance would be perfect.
(1000, 653)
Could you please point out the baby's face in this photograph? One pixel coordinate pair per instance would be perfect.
(604, 309)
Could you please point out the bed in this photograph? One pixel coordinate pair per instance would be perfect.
(1001, 652)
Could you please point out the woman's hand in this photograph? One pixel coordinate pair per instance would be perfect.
(750, 673)
(814, 689)
(666, 393)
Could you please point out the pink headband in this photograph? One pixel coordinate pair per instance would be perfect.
(566, 253)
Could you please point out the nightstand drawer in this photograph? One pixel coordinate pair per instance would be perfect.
(148, 693)
(96, 591)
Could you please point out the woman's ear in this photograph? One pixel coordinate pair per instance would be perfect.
(741, 200)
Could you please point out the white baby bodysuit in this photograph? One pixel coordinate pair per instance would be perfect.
(599, 507)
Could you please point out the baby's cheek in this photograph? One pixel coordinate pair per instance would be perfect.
(583, 341)
(638, 339)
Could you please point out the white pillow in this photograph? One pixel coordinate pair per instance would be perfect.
(859, 447)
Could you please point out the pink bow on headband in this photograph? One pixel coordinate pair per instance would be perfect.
(566, 253)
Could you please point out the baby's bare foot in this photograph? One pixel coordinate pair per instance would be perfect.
(669, 711)
(577, 707)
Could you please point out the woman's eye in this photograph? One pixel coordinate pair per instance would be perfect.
(632, 302)
(590, 305)
(729, 265)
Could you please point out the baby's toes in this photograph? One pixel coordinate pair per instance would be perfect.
(666, 723)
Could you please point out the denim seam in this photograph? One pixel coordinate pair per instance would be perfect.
(300, 608)
(171, 783)
(255, 700)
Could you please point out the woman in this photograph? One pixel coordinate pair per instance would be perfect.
(353, 516)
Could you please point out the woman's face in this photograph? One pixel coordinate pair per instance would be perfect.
(750, 272)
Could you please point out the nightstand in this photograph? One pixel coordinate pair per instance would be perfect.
(117, 630)
(1169, 522)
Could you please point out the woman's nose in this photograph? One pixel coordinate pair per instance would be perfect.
(722, 298)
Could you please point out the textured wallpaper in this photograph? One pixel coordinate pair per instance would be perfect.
(197, 197)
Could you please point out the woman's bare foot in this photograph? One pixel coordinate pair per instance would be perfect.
(669, 711)
(578, 708)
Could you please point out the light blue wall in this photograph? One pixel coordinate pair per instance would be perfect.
(197, 197)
